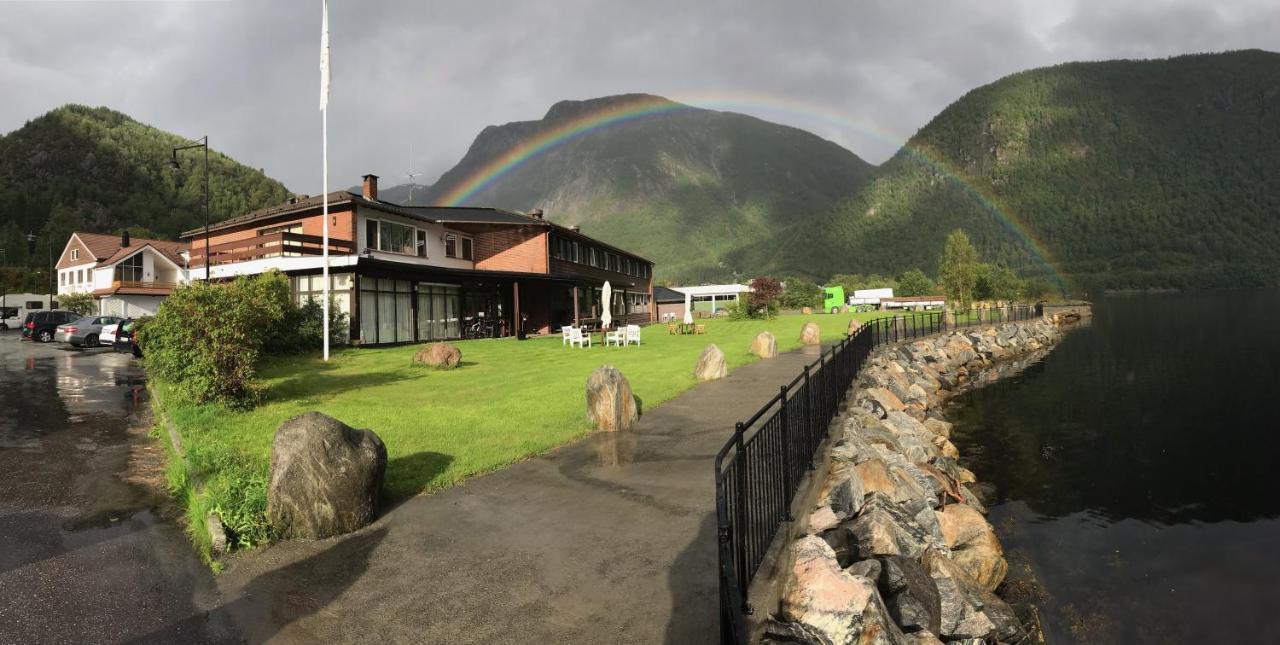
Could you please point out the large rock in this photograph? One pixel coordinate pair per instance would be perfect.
(854, 326)
(764, 345)
(835, 605)
(439, 355)
(326, 477)
(968, 610)
(810, 334)
(611, 406)
(974, 546)
(710, 365)
(885, 528)
(910, 594)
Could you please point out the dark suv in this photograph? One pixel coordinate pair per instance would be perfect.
(40, 325)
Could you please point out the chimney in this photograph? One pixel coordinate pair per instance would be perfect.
(536, 213)
(124, 240)
(371, 187)
(575, 228)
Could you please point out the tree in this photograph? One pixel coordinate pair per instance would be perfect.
(801, 293)
(995, 282)
(958, 269)
(82, 303)
(763, 298)
(914, 283)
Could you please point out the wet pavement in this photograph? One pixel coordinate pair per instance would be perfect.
(85, 556)
(610, 539)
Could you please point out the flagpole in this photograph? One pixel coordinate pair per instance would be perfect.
(324, 127)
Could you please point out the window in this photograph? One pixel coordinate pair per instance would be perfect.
(576, 255)
(130, 270)
(438, 311)
(80, 275)
(62, 278)
(422, 243)
(386, 311)
(458, 247)
(33, 304)
(295, 227)
(75, 254)
(396, 238)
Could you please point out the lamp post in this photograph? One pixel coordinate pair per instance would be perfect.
(31, 249)
(173, 163)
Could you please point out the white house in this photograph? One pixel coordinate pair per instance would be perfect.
(713, 297)
(128, 277)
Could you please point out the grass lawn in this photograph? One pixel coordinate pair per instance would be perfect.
(506, 401)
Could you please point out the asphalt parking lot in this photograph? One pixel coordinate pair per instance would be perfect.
(88, 554)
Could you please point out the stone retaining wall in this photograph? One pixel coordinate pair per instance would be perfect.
(898, 549)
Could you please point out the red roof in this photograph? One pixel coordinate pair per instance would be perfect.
(106, 249)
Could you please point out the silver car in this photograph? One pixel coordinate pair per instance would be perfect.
(84, 332)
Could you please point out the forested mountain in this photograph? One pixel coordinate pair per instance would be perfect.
(1161, 173)
(96, 169)
(679, 185)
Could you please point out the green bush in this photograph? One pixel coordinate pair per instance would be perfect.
(82, 303)
(206, 338)
(301, 328)
(915, 283)
(801, 293)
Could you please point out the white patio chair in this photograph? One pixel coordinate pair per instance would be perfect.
(617, 337)
(633, 334)
(565, 333)
(576, 337)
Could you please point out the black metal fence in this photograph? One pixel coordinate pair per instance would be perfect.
(760, 468)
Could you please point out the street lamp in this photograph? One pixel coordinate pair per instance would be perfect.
(31, 249)
(173, 163)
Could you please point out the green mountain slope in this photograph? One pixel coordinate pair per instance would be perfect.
(1128, 173)
(683, 187)
(96, 169)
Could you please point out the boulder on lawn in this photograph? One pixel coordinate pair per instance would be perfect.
(710, 365)
(326, 477)
(610, 403)
(806, 310)
(438, 355)
(810, 334)
(854, 326)
(765, 345)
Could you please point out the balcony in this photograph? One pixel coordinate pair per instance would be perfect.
(143, 284)
(272, 245)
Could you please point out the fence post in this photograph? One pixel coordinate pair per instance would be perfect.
(810, 431)
(786, 457)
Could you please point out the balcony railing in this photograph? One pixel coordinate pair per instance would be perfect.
(267, 246)
(142, 284)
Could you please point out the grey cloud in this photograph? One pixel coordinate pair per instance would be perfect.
(433, 74)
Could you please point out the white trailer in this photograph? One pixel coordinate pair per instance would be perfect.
(868, 299)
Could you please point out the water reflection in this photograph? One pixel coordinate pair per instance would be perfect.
(1132, 467)
(614, 448)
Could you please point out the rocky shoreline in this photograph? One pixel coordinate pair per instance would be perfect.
(898, 549)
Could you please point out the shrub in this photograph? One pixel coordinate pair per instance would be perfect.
(301, 328)
(762, 302)
(801, 293)
(82, 303)
(915, 283)
(206, 338)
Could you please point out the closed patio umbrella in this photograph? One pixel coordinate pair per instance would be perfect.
(688, 309)
(606, 293)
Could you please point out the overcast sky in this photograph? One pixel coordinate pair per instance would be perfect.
(429, 75)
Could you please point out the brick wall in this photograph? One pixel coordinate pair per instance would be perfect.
(344, 229)
(519, 248)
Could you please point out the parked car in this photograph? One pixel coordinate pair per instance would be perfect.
(41, 325)
(125, 333)
(84, 332)
(5, 314)
(108, 335)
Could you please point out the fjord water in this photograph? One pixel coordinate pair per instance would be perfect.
(1136, 471)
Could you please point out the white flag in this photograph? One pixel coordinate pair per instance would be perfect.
(324, 58)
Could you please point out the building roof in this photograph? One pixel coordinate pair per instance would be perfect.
(714, 289)
(106, 249)
(435, 214)
(663, 294)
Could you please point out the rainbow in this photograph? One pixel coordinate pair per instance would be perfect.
(620, 114)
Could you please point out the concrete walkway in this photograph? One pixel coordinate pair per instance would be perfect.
(610, 539)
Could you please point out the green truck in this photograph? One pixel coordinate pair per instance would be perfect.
(833, 299)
